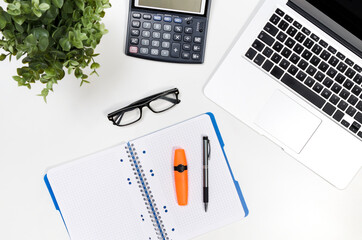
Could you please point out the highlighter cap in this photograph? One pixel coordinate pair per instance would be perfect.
(180, 157)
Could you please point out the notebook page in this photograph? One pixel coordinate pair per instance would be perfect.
(99, 198)
(156, 155)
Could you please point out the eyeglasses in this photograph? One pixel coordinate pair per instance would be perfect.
(157, 103)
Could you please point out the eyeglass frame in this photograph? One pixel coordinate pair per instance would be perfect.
(144, 102)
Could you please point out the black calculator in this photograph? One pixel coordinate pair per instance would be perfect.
(168, 30)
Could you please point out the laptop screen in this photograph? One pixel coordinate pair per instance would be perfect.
(343, 17)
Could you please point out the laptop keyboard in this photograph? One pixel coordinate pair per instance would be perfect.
(312, 68)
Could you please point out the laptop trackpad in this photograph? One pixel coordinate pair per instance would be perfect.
(287, 121)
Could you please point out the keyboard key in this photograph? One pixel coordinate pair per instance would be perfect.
(145, 42)
(290, 43)
(146, 25)
(158, 35)
(350, 73)
(146, 34)
(342, 67)
(356, 90)
(329, 109)
(319, 76)
(185, 55)
(195, 56)
(345, 123)
(358, 117)
(271, 29)
(308, 43)
(167, 19)
(276, 58)
(340, 56)
(197, 39)
(332, 50)
(197, 48)
(328, 82)
(267, 52)
(274, 19)
(277, 46)
(357, 79)
(317, 87)
(178, 20)
(325, 55)
(176, 47)
(177, 28)
(133, 49)
(298, 48)
(331, 72)
(136, 15)
(333, 61)
(187, 47)
(282, 36)
(135, 32)
(279, 12)
(359, 105)
(157, 17)
(134, 41)
(309, 82)
(267, 65)
(344, 94)
(326, 93)
(258, 45)
(297, 25)
(336, 88)
(166, 36)
(266, 38)
(286, 52)
(292, 70)
(284, 64)
(301, 76)
(154, 52)
(323, 43)
(144, 51)
(323, 66)
(357, 68)
(317, 49)
(303, 64)
(155, 43)
(283, 25)
(352, 100)
(167, 45)
(351, 111)
(306, 31)
(259, 59)
(301, 89)
(315, 60)
(348, 84)
(136, 24)
(355, 127)
(291, 31)
(360, 134)
(334, 99)
(288, 18)
(311, 70)
(306, 55)
(147, 16)
(277, 72)
(314, 37)
(294, 58)
(338, 116)
(187, 38)
(177, 37)
(157, 26)
(349, 62)
(189, 30)
(340, 78)
(342, 105)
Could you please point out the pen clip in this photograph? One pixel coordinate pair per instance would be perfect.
(209, 150)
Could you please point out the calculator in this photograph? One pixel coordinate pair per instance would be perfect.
(168, 30)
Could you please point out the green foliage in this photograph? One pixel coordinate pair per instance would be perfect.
(52, 35)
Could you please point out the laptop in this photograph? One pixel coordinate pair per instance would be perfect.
(294, 75)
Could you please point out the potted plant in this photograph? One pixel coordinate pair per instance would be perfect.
(52, 36)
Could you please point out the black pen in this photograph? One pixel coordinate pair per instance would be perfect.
(205, 163)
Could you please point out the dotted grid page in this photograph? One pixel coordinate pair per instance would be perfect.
(99, 198)
(156, 155)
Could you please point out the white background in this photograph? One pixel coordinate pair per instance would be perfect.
(286, 200)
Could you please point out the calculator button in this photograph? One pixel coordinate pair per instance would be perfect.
(197, 39)
(187, 38)
(167, 19)
(167, 27)
(186, 47)
(166, 44)
(156, 35)
(146, 25)
(147, 16)
(146, 34)
(178, 20)
(178, 28)
(185, 55)
(136, 24)
(136, 15)
(177, 37)
(157, 26)
(135, 32)
(175, 50)
(157, 18)
(196, 48)
(134, 41)
(155, 43)
(144, 50)
(166, 36)
(188, 30)
(133, 49)
(145, 42)
(165, 53)
(195, 56)
(154, 52)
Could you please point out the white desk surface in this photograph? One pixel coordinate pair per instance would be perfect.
(286, 200)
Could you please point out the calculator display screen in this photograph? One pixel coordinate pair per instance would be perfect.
(187, 6)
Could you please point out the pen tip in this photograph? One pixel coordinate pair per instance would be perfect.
(205, 207)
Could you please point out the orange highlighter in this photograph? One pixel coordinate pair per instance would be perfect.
(181, 178)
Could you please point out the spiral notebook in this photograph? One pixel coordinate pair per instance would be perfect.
(127, 191)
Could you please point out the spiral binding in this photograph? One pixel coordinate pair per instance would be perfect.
(146, 193)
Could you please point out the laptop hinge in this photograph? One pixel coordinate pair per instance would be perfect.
(324, 28)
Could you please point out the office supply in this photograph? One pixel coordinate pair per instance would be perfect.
(300, 58)
(168, 30)
(127, 191)
(205, 170)
(157, 103)
(181, 177)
